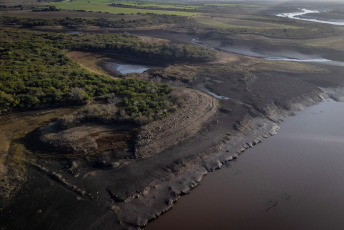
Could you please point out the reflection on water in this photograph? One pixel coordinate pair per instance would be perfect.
(298, 60)
(277, 56)
(293, 180)
(124, 68)
(128, 68)
(291, 56)
(296, 15)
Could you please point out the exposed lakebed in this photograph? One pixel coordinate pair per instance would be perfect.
(278, 55)
(291, 181)
(275, 53)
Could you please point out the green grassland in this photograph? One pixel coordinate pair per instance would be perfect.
(266, 26)
(159, 5)
(101, 6)
(229, 5)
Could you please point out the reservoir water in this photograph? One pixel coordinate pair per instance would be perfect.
(293, 180)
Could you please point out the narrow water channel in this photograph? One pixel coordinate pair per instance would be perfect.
(298, 15)
(293, 180)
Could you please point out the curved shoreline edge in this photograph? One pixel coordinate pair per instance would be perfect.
(160, 195)
(131, 195)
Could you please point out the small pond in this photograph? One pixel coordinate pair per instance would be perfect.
(127, 68)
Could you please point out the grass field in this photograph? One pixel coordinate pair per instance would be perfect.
(237, 23)
(229, 5)
(161, 5)
(104, 6)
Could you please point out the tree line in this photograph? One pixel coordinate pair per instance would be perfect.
(36, 73)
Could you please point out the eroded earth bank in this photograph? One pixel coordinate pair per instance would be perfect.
(142, 171)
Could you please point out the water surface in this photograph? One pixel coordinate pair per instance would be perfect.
(293, 180)
(296, 15)
(127, 68)
(284, 55)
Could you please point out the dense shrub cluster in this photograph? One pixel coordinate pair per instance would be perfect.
(36, 73)
(129, 44)
(120, 22)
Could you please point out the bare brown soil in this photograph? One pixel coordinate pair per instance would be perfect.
(89, 61)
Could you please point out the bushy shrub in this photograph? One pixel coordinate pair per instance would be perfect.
(35, 74)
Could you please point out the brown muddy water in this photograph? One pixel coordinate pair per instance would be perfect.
(293, 180)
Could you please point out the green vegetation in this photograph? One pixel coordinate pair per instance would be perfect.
(156, 5)
(104, 6)
(265, 25)
(119, 22)
(228, 5)
(35, 73)
(129, 44)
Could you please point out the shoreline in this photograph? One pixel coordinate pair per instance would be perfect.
(140, 190)
(163, 186)
(96, 192)
(254, 130)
